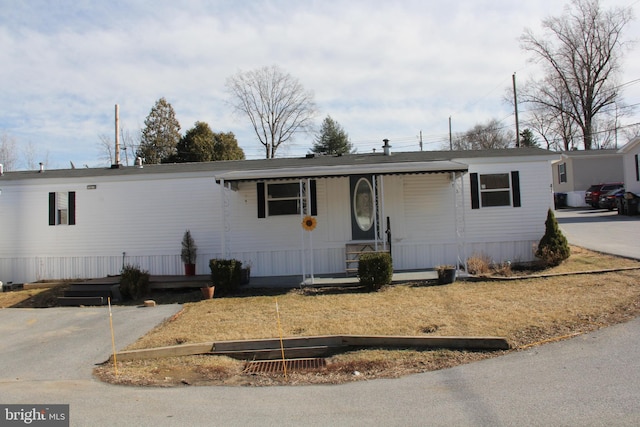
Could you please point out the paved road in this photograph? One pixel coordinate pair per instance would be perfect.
(591, 380)
(601, 230)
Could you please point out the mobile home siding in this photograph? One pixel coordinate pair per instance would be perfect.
(138, 222)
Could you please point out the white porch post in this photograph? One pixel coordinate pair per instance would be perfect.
(306, 243)
(223, 235)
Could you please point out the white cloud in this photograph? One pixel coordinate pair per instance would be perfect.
(381, 69)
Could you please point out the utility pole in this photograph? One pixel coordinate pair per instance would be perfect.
(420, 140)
(515, 104)
(450, 138)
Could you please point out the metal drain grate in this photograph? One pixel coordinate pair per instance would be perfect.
(276, 366)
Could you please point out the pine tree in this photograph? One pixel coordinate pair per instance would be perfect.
(160, 135)
(332, 139)
(553, 247)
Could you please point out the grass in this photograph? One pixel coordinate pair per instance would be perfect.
(525, 311)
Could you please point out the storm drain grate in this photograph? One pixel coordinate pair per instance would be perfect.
(276, 366)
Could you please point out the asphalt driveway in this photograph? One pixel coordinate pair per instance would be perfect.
(65, 343)
(601, 230)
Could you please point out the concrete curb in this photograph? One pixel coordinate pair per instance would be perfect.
(314, 346)
(542, 276)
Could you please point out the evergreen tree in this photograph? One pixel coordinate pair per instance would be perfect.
(528, 139)
(332, 139)
(553, 247)
(201, 144)
(160, 135)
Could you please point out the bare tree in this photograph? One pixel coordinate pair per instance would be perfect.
(106, 147)
(8, 152)
(32, 159)
(275, 102)
(484, 137)
(581, 51)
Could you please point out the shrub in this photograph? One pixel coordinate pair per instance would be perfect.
(375, 270)
(189, 251)
(478, 264)
(553, 247)
(134, 283)
(225, 274)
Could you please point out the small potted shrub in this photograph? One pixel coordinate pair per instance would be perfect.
(189, 254)
(446, 274)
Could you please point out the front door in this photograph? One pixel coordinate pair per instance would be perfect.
(362, 207)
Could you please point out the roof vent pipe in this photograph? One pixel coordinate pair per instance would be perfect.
(1, 169)
(386, 147)
(41, 167)
(139, 162)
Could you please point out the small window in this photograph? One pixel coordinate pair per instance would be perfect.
(62, 208)
(495, 190)
(562, 172)
(283, 199)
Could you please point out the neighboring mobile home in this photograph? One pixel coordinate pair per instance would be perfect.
(630, 153)
(577, 170)
(429, 208)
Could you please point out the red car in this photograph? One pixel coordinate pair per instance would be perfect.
(592, 196)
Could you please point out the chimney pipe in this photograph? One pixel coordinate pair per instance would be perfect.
(117, 157)
(386, 147)
(1, 169)
(41, 167)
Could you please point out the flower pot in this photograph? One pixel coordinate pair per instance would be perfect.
(207, 292)
(189, 269)
(446, 276)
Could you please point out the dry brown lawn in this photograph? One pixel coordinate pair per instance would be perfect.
(525, 311)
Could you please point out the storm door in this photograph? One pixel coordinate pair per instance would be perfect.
(362, 208)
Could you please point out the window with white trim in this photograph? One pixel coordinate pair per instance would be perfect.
(562, 172)
(497, 189)
(283, 199)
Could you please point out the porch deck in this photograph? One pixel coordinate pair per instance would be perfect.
(321, 280)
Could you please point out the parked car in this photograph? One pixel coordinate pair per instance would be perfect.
(608, 199)
(592, 196)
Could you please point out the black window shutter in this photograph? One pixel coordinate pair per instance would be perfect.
(475, 194)
(52, 208)
(637, 169)
(262, 210)
(515, 188)
(312, 192)
(72, 208)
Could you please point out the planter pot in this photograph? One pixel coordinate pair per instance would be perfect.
(207, 293)
(189, 269)
(446, 276)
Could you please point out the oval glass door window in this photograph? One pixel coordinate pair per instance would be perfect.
(363, 204)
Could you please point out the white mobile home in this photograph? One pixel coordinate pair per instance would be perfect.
(428, 208)
(631, 166)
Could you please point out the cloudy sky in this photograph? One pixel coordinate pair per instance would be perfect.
(382, 69)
